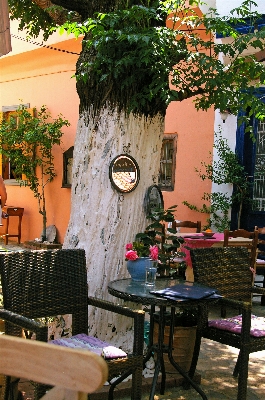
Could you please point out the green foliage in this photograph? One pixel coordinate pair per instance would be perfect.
(132, 48)
(226, 170)
(129, 53)
(31, 17)
(28, 140)
(133, 55)
(155, 234)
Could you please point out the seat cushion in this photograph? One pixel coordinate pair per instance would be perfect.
(82, 341)
(234, 325)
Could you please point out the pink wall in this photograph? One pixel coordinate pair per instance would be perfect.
(194, 142)
(43, 77)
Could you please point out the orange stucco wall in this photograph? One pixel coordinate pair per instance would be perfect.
(42, 76)
(195, 137)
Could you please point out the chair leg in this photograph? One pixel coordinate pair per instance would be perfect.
(243, 375)
(262, 301)
(236, 369)
(137, 384)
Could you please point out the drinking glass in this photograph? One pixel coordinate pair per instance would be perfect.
(150, 276)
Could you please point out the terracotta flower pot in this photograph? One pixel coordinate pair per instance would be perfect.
(183, 346)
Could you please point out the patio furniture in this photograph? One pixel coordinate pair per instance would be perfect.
(227, 270)
(129, 290)
(250, 242)
(251, 246)
(74, 374)
(187, 224)
(12, 212)
(48, 283)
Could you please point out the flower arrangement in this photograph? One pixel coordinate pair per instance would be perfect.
(136, 249)
(155, 242)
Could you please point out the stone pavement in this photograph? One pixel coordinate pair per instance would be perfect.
(215, 366)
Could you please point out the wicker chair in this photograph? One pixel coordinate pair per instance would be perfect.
(47, 283)
(251, 246)
(227, 269)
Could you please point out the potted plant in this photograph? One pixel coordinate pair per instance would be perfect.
(27, 140)
(157, 242)
(184, 337)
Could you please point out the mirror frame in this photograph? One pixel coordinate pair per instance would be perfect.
(153, 199)
(133, 168)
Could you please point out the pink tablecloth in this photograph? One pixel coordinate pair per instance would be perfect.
(198, 243)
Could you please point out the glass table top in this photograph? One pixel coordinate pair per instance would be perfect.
(138, 292)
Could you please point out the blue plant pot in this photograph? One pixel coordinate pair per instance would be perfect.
(137, 268)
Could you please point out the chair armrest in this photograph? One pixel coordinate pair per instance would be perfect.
(39, 328)
(235, 303)
(259, 290)
(136, 315)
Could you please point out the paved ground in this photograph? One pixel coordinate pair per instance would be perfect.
(216, 363)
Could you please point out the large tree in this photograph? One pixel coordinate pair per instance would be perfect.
(128, 57)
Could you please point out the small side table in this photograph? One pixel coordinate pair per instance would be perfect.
(13, 212)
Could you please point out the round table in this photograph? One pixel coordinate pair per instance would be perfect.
(138, 292)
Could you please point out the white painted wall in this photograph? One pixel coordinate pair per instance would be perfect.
(227, 129)
(223, 7)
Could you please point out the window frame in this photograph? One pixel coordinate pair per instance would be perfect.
(172, 137)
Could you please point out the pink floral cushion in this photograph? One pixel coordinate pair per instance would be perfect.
(82, 341)
(234, 325)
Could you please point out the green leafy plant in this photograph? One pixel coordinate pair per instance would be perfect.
(226, 170)
(27, 141)
(156, 234)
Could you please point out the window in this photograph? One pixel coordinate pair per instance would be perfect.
(166, 179)
(259, 173)
(6, 167)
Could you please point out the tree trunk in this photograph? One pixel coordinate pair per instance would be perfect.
(103, 220)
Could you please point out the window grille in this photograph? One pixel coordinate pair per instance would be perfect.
(259, 173)
(166, 179)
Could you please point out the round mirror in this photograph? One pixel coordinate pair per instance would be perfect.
(124, 173)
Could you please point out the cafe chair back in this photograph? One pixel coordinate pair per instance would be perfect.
(187, 224)
(250, 245)
(47, 283)
(227, 270)
(73, 373)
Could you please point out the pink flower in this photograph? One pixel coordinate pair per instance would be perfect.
(129, 246)
(131, 255)
(153, 252)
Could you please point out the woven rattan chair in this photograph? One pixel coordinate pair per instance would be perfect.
(251, 246)
(47, 283)
(227, 269)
